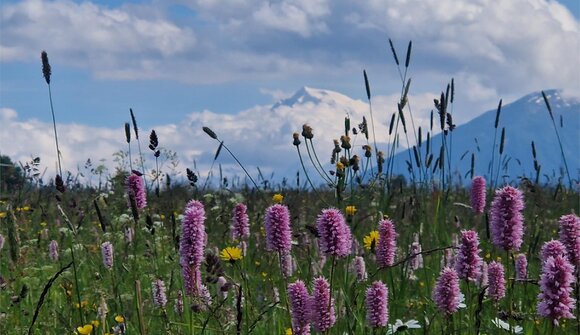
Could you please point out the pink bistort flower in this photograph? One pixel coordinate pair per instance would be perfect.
(278, 231)
(136, 190)
(495, 274)
(192, 246)
(478, 194)
(323, 318)
(446, 292)
(377, 304)
(506, 219)
(240, 229)
(335, 236)
(570, 237)
(555, 301)
(300, 305)
(387, 245)
(468, 261)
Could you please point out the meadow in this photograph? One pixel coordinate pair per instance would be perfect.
(364, 252)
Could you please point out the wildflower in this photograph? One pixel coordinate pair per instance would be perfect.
(307, 132)
(323, 318)
(192, 245)
(277, 226)
(179, 304)
(446, 291)
(223, 287)
(335, 236)
(2, 215)
(350, 210)
(240, 228)
(467, 263)
(158, 291)
(96, 323)
(555, 301)
(120, 319)
(499, 323)
(203, 300)
(370, 241)
(103, 309)
(128, 234)
(506, 219)
(401, 326)
(478, 194)
(53, 250)
(386, 246)
(288, 331)
(85, 330)
(83, 304)
(300, 307)
(287, 264)
(296, 139)
(570, 237)
(2, 241)
(521, 266)
(136, 190)
(376, 301)
(358, 264)
(552, 248)
(278, 198)
(107, 253)
(339, 166)
(231, 254)
(496, 289)
(417, 261)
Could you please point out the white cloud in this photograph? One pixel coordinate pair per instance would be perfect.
(260, 136)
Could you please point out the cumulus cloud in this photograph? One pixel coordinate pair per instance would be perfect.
(493, 49)
(260, 136)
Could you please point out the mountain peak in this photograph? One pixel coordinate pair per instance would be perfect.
(311, 95)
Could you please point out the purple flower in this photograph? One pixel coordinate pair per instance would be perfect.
(387, 245)
(552, 248)
(468, 261)
(521, 266)
(478, 194)
(359, 267)
(107, 253)
(322, 317)
(335, 236)
(277, 226)
(570, 237)
(495, 273)
(158, 291)
(53, 250)
(507, 221)
(300, 304)
(417, 261)
(482, 279)
(179, 304)
(446, 292)
(192, 245)
(377, 304)
(223, 287)
(240, 229)
(555, 301)
(136, 190)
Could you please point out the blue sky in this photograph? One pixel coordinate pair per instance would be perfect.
(169, 60)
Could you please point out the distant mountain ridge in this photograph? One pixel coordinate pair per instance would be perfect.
(525, 120)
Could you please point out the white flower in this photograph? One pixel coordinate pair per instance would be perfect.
(401, 326)
(505, 326)
(461, 301)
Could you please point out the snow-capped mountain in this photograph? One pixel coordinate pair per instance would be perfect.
(525, 120)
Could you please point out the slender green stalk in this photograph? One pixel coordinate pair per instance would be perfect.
(55, 132)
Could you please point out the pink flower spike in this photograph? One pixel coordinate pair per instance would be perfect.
(322, 318)
(192, 246)
(478, 194)
(335, 236)
(570, 237)
(468, 261)
(506, 219)
(240, 229)
(277, 226)
(555, 301)
(387, 245)
(300, 305)
(377, 304)
(496, 277)
(446, 292)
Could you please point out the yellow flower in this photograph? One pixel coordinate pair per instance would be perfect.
(339, 166)
(370, 241)
(162, 217)
(488, 255)
(278, 198)
(350, 210)
(83, 304)
(85, 330)
(43, 224)
(257, 263)
(96, 323)
(288, 331)
(422, 284)
(231, 254)
(119, 319)
(2, 215)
